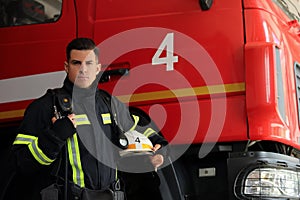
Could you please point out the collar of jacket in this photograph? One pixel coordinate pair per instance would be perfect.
(80, 93)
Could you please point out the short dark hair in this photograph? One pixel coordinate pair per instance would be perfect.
(82, 44)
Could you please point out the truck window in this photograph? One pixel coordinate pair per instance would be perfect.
(297, 81)
(290, 7)
(24, 12)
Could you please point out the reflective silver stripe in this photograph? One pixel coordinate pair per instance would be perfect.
(74, 158)
(32, 143)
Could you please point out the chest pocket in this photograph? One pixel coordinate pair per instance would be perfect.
(106, 118)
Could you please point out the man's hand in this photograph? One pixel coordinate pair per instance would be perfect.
(70, 116)
(156, 147)
(64, 128)
(157, 160)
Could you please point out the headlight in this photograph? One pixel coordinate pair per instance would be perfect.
(271, 182)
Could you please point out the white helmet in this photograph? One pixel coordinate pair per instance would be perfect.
(137, 143)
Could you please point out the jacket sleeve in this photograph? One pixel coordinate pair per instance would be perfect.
(37, 144)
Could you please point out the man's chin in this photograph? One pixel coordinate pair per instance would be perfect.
(82, 85)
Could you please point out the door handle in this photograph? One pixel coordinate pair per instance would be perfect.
(105, 76)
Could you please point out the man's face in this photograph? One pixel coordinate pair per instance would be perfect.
(82, 68)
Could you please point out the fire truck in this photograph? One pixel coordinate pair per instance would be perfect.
(220, 79)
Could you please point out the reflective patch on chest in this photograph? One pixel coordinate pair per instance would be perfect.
(106, 118)
(82, 120)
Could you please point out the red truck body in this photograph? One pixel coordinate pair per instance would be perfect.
(220, 79)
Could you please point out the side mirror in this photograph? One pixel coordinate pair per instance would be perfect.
(205, 4)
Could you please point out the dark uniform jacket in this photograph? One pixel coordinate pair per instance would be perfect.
(40, 145)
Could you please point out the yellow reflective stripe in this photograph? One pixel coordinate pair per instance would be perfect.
(106, 118)
(82, 119)
(71, 159)
(184, 92)
(136, 120)
(21, 137)
(36, 152)
(149, 132)
(146, 146)
(74, 157)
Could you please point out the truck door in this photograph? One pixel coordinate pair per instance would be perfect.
(33, 36)
(176, 55)
(182, 63)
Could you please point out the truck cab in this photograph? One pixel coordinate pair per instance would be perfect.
(220, 79)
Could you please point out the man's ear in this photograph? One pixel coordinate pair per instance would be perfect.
(66, 65)
(98, 68)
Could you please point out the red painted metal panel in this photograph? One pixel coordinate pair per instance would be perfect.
(36, 48)
(218, 60)
(267, 29)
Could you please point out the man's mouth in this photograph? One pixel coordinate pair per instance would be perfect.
(84, 78)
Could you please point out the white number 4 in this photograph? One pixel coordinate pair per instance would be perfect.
(170, 59)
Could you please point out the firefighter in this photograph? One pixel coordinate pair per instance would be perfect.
(64, 144)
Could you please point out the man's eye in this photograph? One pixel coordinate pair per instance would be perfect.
(89, 63)
(76, 63)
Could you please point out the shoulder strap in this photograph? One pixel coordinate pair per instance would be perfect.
(65, 105)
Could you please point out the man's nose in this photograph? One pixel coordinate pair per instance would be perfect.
(83, 67)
